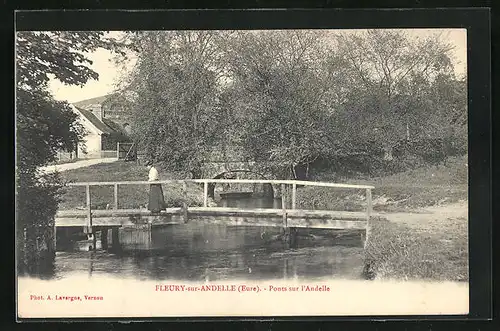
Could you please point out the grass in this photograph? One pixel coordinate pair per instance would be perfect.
(397, 251)
(129, 196)
(405, 191)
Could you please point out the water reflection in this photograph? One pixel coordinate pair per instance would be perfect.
(205, 253)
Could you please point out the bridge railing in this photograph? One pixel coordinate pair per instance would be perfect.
(281, 183)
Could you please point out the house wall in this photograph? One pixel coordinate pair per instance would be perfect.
(92, 147)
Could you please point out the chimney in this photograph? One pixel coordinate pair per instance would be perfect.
(97, 111)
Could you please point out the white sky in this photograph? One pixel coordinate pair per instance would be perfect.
(109, 73)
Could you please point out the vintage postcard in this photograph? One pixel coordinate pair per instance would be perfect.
(202, 173)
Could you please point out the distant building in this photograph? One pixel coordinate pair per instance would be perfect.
(106, 121)
(112, 107)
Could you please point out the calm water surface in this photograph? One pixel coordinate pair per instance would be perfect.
(200, 252)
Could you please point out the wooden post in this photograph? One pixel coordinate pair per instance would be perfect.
(55, 237)
(368, 204)
(94, 240)
(115, 238)
(294, 195)
(150, 233)
(184, 201)
(88, 228)
(104, 238)
(116, 197)
(368, 214)
(283, 205)
(118, 150)
(205, 194)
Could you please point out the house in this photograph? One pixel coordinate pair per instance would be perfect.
(106, 123)
(111, 107)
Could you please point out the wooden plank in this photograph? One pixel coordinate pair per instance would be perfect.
(276, 212)
(184, 201)
(368, 204)
(283, 204)
(205, 194)
(221, 220)
(240, 181)
(312, 223)
(108, 213)
(215, 211)
(54, 241)
(116, 197)
(368, 216)
(89, 210)
(120, 221)
(277, 222)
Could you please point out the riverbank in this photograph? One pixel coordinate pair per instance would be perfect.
(420, 228)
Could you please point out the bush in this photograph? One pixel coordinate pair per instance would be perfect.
(36, 205)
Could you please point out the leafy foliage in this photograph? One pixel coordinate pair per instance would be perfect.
(375, 101)
(58, 53)
(45, 126)
(280, 91)
(175, 84)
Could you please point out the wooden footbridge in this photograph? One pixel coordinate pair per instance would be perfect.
(290, 217)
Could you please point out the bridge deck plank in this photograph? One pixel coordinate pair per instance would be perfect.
(214, 211)
(216, 215)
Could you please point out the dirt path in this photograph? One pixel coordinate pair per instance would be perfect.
(76, 165)
(429, 216)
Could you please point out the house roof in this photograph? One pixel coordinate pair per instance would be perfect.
(95, 121)
(92, 101)
(106, 126)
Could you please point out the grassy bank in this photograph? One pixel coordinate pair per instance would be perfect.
(129, 196)
(423, 187)
(398, 251)
(436, 250)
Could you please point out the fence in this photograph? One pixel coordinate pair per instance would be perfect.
(97, 155)
(283, 184)
(126, 151)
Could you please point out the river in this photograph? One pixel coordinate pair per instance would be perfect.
(200, 252)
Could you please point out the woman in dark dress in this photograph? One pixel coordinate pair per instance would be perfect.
(156, 198)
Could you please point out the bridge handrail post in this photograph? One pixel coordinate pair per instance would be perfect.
(88, 228)
(294, 195)
(118, 150)
(205, 194)
(283, 205)
(116, 196)
(368, 214)
(368, 204)
(184, 201)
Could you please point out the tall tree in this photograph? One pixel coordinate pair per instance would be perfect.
(176, 83)
(392, 80)
(45, 126)
(278, 81)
